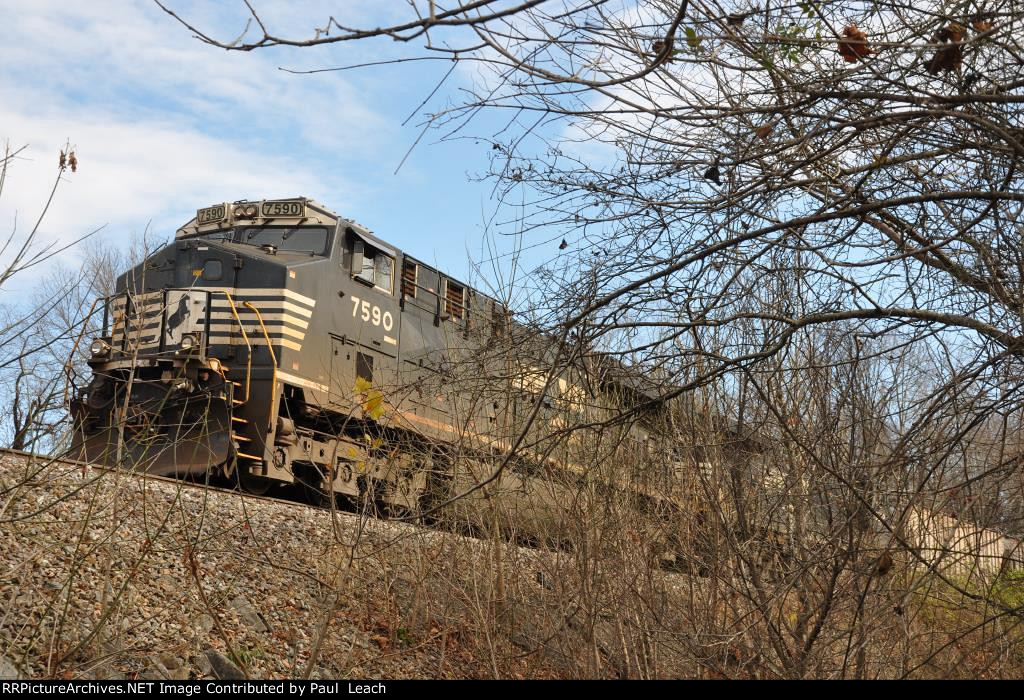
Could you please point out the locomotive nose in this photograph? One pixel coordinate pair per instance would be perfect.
(159, 428)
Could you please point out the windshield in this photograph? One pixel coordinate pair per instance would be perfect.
(298, 239)
(222, 236)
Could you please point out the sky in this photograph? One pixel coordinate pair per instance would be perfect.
(163, 124)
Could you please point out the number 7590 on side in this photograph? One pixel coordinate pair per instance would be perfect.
(371, 313)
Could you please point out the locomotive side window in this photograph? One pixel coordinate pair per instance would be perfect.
(374, 268)
(454, 300)
(409, 274)
(500, 319)
(212, 270)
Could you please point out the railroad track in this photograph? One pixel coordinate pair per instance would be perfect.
(293, 497)
(211, 486)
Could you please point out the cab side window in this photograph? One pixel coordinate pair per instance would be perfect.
(384, 272)
(372, 267)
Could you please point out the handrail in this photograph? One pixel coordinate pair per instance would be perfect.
(69, 364)
(245, 337)
(273, 360)
(120, 318)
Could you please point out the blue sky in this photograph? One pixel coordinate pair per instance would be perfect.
(163, 124)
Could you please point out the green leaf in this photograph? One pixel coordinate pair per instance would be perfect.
(374, 404)
(808, 7)
(373, 399)
(692, 39)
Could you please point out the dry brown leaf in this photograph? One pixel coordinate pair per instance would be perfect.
(659, 46)
(764, 131)
(982, 23)
(948, 57)
(854, 46)
(883, 565)
(736, 19)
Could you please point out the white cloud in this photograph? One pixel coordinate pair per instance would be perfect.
(133, 172)
(135, 58)
(162, 123)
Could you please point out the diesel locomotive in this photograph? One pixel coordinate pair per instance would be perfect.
(275, 342)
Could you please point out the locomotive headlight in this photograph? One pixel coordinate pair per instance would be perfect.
(245, 211)
(98, 348)
(188, 341)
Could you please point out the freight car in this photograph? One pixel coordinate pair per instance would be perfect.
(275, 342)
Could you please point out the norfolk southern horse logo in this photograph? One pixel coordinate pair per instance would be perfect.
(182, 318)
(179, 315)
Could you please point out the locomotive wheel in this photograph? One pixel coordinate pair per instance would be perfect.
(316, 496)
(256, 485)
(240, 477)
(437, 489)
(312, 482)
